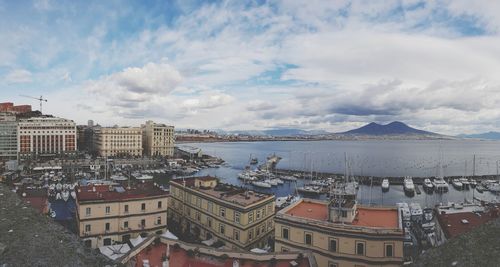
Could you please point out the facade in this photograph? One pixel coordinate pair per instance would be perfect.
(46, 136)
(86, 139)
(345, 235)
(211, 211)
(158, 139)
(118, 141)
(8, 136)
(113, 214)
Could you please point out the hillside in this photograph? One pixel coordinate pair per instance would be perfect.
(393, 128)
(488, 136)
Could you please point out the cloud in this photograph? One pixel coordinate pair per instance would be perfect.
(18, 76)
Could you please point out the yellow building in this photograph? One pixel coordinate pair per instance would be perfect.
(158, 139)
(109, 214)
(212, 211)
(118, 141)
(345, 235)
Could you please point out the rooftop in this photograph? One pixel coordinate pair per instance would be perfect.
(457, 223)
(114, 192)
(376, 217)
(226, 192)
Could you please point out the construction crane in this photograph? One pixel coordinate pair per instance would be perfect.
(41, 99)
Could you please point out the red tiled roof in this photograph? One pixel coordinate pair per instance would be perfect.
(373, 217)
(310, 210)
(103, 192)
(452, 223)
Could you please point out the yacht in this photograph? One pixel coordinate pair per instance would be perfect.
(309, 189)
(416, 212)
(385, 184)
(408, 185)
(288, 178)
(428, 185)
(272, 182)
(440, 185)
(261, 184)
(465, 183)
(457, 184)
(472, 183)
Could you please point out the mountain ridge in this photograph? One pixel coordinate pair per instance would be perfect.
(393, 128)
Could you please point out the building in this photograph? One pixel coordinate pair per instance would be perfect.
(158, 139)
(341, 235)
(118, 141)
(113, 214)
(8, 136)
(9, 107)
(86, 139)
(46, 136)
(167, 250)
(212, 211)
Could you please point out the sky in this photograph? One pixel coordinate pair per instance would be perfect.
(249, 65)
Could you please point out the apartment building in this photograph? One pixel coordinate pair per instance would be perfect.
(113, 214)
(341, 233)
(8, 136)
(118, 141)
(213, 211)
(46, 136)
(158, 139)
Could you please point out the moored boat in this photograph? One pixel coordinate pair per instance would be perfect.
(457, 184)
(428, 185)
(408, 185)
(261, 184)
(385, 185)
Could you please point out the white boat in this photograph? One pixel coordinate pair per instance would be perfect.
(308, 189)
(457, 184)
(279, 181)
(65, 195)
(465, 183)
(416, 212)
(261, 184)
(288, 178)
(144, 177)
(408, 185)
(440, 185)
(58, 196)
(385, 184)
(473, 183)
(272, 182)
(405, 211)
(73, 195)
(428, 185)
(493, 187)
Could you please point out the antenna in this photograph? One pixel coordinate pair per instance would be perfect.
(41, 99)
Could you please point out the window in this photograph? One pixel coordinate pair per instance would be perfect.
(257, 231)
(198, 216)
(210, 207)
(284, 249)
(143, 206)
(125, 238)
(250, 234)
(222, 212)
(236, 235)
(126, 208)
(125, 224)
(269, 225)
(333, 245)
(87, 211)
(308, 238)
(250, 217)
(222, 230)
(284, 233)
(344, 213)
(360, 248)
(159, 204)
(143, 223)
(87, 228)
(88, 243)
(107, 226)
(107, 241)
(210, 222)
(237, 217)
(264, 212)
(198, 202)
(257, 216)
(158, 220)
(332, 264)
(389, 250)
(108, 209)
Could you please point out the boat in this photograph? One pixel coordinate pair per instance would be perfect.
(58, 196)
(73, 195)
(282, 202)
(254, 161)
(408, 185)
(309, 189)
(261, 184)
(288, 178)
(405, 211)
(277, 180)
(428, 214)
(52, 214)
(473, 183)
(65, 195)
(465, 183)
(440, 185)
(494, 187)
(428, 185)
(59, 186)
(271, 182)
(457, 184)
(385, 185)
(416, 212)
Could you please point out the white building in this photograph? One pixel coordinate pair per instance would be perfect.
(158, 139)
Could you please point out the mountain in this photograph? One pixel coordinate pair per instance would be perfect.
(393, 128)
(488, 135)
